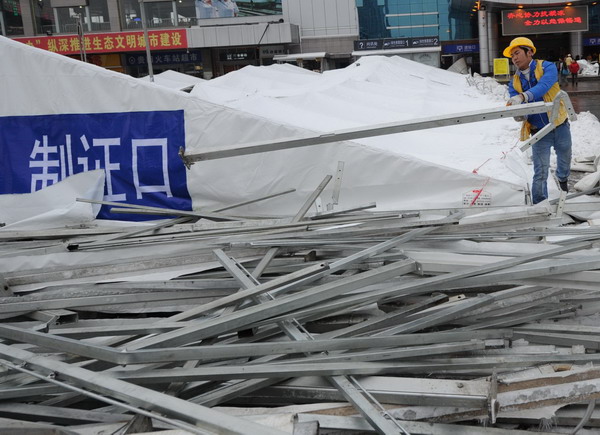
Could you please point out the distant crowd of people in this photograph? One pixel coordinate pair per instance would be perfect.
(569, 66)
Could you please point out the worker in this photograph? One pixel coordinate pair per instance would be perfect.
(537, 80)
(568, 60)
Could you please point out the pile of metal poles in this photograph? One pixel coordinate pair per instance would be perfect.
(409, 322)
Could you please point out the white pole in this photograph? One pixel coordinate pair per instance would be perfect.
(493, 52)
(81, 38)
(2, 28)
(88, 17)
(175, 19)
(576, 44)
(484, 54)
(146, 40)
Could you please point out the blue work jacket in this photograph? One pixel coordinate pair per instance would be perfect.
(536, 90)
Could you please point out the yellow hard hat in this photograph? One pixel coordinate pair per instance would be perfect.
(518, 42)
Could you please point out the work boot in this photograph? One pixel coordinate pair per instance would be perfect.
(563, 186)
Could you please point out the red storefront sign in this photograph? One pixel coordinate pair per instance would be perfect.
(547, 20)
(110, 42)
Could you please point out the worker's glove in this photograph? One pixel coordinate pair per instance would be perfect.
(513, 101)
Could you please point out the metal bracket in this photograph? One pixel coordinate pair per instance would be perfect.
(561, 200)
(561, 98)
(561, 203)
(493, 404)
(5, 288)
(418, 268)
(188, 164)
(319, 205)
(337, 186)
(537, 137)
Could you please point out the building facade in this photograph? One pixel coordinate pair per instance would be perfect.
(479, 30)
(209, 38)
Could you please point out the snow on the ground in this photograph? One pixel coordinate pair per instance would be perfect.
(377, 90)
(585, 133)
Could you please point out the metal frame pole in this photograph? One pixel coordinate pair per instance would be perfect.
(2, 26)
(88, 15)
(224, 151)
(146, 40)
(390, 128)
(81, 34)
(134, 395)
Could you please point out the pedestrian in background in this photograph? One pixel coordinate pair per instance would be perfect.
(574, 68)
(537, 80)
(563, 71)
(568, 60)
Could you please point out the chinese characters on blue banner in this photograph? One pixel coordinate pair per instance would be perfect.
(138, 152)
(165, 58)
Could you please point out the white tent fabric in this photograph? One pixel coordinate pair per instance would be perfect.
(588, 68)
(56, 205)
(397, 172)
(173, 80)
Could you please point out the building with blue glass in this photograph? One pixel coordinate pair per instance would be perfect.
(477, 30)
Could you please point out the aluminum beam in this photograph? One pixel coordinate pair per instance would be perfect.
(206, 215)
(355, 424)
(58, 415)
(370, 131)
(206, 418)
(284, 371)
(234, 351)
(244, 318)
(363, 403)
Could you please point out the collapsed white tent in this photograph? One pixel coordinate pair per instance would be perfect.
(39, 88)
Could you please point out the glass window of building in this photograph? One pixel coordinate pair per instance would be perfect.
(158, 14)
(415, 18)
(186, 12)
(68, 18)
(130, 14)
(94, 17)
(594, 18)
(11, 20)
(372, 19)
(99, 17)
(43, 17)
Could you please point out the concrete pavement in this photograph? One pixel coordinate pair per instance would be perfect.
(586, 95)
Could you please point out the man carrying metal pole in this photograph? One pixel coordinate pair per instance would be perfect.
(537, 80)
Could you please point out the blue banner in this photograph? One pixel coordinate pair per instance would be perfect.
(137, 150)
(460, 48)
(164, 58)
